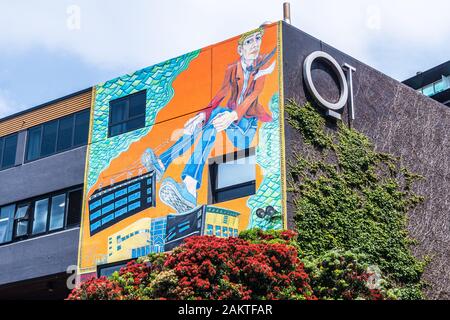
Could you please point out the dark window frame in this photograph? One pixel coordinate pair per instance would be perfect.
(2, 150)
(128, 119)
(121, 263)
(16, 221)
(58, 122)
(31, 215)
(214, 191)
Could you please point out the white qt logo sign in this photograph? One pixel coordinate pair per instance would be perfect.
(345, 84)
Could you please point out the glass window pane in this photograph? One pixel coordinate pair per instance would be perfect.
(49, 138)
(22, 226)
(236, 172)
(1, 151)
(428, 90)
(74, 211)
(22, 212)
(117, 129)
(135, 124)
(81, 128)
(57, 212)
(34, 143)
(9, 151)
(40, 216)
(108, 271)
(137, 105)
(235, 193)
(439, 86)
(6, 223)
(65, 133)
(118, 111)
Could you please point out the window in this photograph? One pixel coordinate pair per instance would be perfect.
(218, 233)
(436, 87)
(209, 231)
(106, 270)
(233, 179)
(225, 232)
(6, 223)
(49, 135)
(65, 134)
(57, 212)
(127, 114)
(8, 146)
(81, 131)
(57, 135)
(40, 215)
(428, 90)
(21, 220)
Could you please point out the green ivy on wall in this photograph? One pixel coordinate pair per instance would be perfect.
(347, 196)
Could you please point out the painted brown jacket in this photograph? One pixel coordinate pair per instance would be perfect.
(232, 84)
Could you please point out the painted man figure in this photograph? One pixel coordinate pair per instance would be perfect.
(243, 83)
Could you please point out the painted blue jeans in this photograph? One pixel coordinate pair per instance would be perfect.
(240, 134)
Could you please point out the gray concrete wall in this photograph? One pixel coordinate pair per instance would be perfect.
(60, 171)
(38, 257)
(49, 254)
(399, 121)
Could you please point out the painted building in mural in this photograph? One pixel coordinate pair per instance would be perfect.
(194, 142)
(198, 145)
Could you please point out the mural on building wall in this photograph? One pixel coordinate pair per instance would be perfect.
(205, 158)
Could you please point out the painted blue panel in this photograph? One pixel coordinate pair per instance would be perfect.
(134, 187)
(121, 203)
(108, 219)
(120, 212)
(107, 209)
(121, 193)
(95, 215)
(96, 225)
(134, 196)
(134, 206)
(95, 205)
(108, 199)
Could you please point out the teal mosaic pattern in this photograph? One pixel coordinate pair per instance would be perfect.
(269, 159)
(158, 81)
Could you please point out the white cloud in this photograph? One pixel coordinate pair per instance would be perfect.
(126, 35)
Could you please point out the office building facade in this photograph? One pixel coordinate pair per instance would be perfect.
(41, 191)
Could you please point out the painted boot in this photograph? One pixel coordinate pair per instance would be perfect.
(176, 196)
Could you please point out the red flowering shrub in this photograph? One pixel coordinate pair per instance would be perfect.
(214, 268)
(97, 289)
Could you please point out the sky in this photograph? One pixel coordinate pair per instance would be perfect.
(51, 48)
